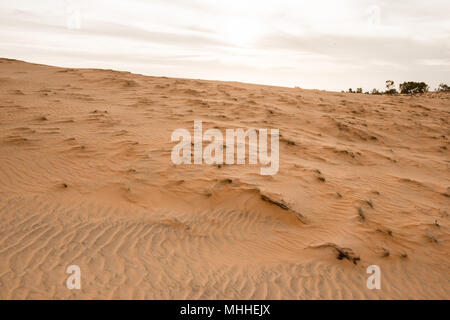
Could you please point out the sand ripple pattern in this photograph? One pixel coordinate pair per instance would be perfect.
(86, 179)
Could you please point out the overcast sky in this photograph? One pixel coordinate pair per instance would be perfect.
(326, 44)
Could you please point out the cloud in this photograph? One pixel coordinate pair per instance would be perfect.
(323, 44)
(356, 48)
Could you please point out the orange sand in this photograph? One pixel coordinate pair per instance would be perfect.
(86, 179)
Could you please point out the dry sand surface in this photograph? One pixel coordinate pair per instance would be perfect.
(86, 178)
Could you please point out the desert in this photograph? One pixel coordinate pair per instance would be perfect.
(86, 179)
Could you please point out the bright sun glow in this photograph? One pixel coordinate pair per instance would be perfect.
(241, 32)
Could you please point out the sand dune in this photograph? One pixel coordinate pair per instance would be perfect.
(86, 179)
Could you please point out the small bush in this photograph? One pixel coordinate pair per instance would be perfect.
(375, 91)
(391, 91)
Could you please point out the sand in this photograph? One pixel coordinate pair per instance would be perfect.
(86, 179)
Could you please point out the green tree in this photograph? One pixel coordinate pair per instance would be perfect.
(390, 89)
(443, 88)
(389, 84)
(412, 87)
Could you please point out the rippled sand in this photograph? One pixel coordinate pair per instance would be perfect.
(86, 178)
